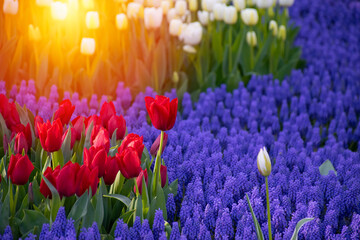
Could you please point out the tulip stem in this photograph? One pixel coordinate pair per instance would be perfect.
(268, 207)
(230, 52)
(13, 203)
(158, 163)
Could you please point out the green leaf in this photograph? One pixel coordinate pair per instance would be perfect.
(99, 210)
(113, 138)
(4, 128)
(89, 217)
(127, 216)
(31, 219)
(55, 201)
(298, 226)
(172, 188)
(139, 207)
(258, 230)
(113, 150)
(66, 147)
(326, 167)
(4, 212)
(88, 135)
(125, 200)
(79, 209)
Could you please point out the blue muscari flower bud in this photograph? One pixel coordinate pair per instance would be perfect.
(121, 230)
(158, 225)
(224, 228)
(70, 232)
(58, 227)
(45, 231)
(170, 207)
(145, 230)
(7, 234)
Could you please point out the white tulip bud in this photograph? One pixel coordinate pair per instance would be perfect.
(153, 17)
(44, 3)
(251, 38)
(203, 17)
(250, 16)
(264, 3)
(264, 162)
(180, 7)
(282, 32)
(239, 4)
(87, 46)
(230, 15)
(58, 10)
(193, 5)
(92, 20)
(286, 3)
(135, 10)
(165, 5)
(273, 27)
(208, 5)
(175, 27)
(192, 34)
(189, 49)
(122, 22)
(11, 7)
(171, 14)
(218, 11)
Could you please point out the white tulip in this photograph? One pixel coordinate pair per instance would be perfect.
(87, 46)
(208, 5)
(11, 7)
(135, 10)
(286, 3)
(58, 10)
(203, 17)
(44, 3)
(239, 4)
(192, 34)
(273, 27)
(153, 17)
(171, 14)
(264, 162)
(230, 15)
(189, 49)
(180, 7)
(175, 27)
(250, 16)
(122, 22)
(92, 20)
(218, 10)
(264, 3)
(251, 38)
(165, 5)
(282, 32)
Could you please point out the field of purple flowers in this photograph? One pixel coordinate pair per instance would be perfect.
(311, 117)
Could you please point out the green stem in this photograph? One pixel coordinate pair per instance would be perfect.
(157, 164)
(268, 207)
(251, 58)
(230, 44)
(13, 205)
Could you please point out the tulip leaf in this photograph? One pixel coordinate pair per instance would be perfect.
(139, 207)
(113, 151)
(259, 233)
(89, 217)
(127, 216)
(31, 219)
(55, 201)
(326, 167)
(4, 129)
(88, 135)
(99, 210)
(145, 198)
(66, 147)
(298, 226)
(4, 212)
(125, 200)
(172, 188)
(113, 138)
(57, 158)
(79, 209)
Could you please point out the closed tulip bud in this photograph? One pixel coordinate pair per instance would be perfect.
(88, 4)
(264, 3)
(153, 17)
(175, 77)
(129, 163)
(230, 15)
(175, 27)
(50, 135)
(117, 123)
(163, 174)
(264, 162)
(34, 33)
(171, 14)
(92, 20)
(20, 168)
(192, 34)
(282, 33)
(180, 7)
(106, 112)
(11, 7)
(143, 174)
(87, 46)
(20, 143)
(86, 178)
(239, 4)
(51, 176)
(251, 38)
(58, 10)
(66, 179)
(135, 10)
(286, 3)
(155, 146)
(122, 22)
(189, 49)
(95, 157)
(193, 5)
(102, 139)
(165, 5)
(218, 11)
(134, 141)
(273, 27)
(162, 111)
(250, 16)
(111, 170)
(203, 17)
(64, 112)
(208, 5)
(44, 3)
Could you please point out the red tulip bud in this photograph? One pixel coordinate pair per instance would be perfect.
(51, 135)
(102, 139)
(66, 180)
(139, 180)
(66, 109)
(96, 157)
(20, 168)
(20, 143)
(162, 112)
(132, 140)
(111, 170)
(78, 124)
(106, 112)
(117, 122)
(85, 179)
(163, 174)
(155, 147)
(51, 176)
(129, 163)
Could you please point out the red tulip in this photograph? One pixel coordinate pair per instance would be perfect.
(66, 109)
(73, 137)
(20, 168)
(20, 143)
(85, 179)
(66, 180)
(96, 157)
(37, 120)
(132, 140)
(111, 170)
(155, 147)
(139, 180)
(9, 112)
(129, 163)
(78, 125)
(106, 112)
(117, 122)
(96, 120)
(102, 139)
(26, 130)
(162, 112)
(51, 176)
(50, 135)
(163, 174)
